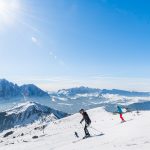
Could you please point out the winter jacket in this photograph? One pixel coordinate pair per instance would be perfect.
(85, 118)
(119, 110)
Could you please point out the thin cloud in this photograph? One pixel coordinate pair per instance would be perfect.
(34, 40)
(52, 55)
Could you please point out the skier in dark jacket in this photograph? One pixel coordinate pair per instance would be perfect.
(87, 122)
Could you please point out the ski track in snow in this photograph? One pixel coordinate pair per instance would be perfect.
(59, 135)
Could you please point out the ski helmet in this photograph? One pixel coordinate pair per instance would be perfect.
(81, 110)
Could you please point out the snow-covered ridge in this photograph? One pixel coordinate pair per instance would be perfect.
(26, 113)
(22, 107)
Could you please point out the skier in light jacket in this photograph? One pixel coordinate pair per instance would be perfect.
(120, 112)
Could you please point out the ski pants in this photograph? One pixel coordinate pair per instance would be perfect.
(121, 117)
(85, 129)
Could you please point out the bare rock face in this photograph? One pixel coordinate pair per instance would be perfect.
(8, 133)
(35, 137)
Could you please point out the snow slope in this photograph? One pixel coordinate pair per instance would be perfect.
(59, 135)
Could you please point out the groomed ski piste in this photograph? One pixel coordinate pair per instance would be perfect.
(59, 135)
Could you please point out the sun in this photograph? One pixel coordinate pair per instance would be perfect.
(9, 11)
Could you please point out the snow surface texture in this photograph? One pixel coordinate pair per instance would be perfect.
(59, 135)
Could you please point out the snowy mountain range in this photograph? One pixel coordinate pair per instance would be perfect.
(87, 90)
(27, 113)
(71, 100)
(9, 90)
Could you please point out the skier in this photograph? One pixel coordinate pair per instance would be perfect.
(120, 112)
(87, 122)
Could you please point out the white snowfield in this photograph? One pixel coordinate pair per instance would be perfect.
(59, 135)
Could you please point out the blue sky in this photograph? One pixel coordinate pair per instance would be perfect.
(65, 43)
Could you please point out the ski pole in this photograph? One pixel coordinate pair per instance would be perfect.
(95, 129)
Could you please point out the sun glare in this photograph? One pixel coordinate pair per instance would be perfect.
(9, 10)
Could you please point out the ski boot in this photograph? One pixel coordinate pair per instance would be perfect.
(86, 136)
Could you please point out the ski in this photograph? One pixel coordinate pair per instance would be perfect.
(87, 137)
(125, 121)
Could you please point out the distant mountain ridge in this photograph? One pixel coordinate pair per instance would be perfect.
(78, 90)
(124, 93)
(11, 90)
(87, 90)
(73, 99)
(32, 90)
